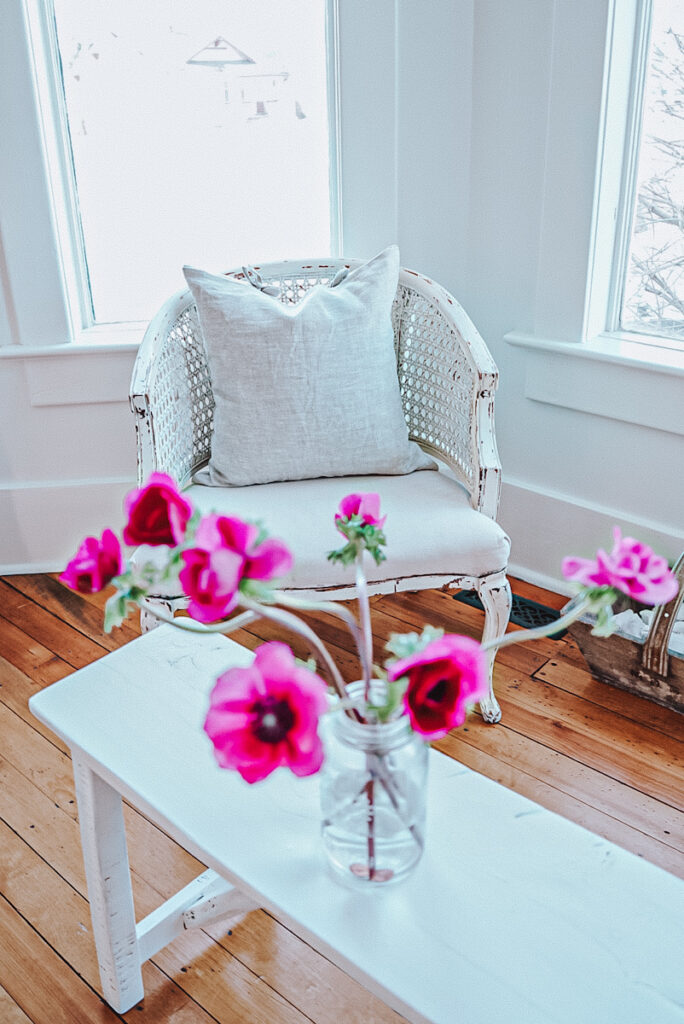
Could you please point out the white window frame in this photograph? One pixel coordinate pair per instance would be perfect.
(39, 224)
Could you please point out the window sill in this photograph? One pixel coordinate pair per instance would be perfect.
(105, 357)
(94, 340)
(614, 376)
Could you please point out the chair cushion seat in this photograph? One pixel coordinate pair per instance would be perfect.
(431, 528)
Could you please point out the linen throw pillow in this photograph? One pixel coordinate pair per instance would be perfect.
(304, 391)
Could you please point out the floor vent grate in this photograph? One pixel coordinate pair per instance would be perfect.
(525, 613)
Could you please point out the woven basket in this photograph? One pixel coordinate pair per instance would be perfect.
(647, 669)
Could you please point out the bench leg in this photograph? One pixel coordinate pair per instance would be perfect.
(495, 594)
(105, 854)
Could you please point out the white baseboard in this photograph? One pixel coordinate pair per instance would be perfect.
(44, 523)
(545, 526)
(539, 579)
(24, 568)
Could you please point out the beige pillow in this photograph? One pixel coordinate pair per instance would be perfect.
(304, 391)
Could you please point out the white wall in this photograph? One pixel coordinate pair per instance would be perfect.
(446, 109)
(66, 460)
(569, 474)
(521, 265)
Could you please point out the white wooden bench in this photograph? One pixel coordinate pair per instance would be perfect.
(513, 915)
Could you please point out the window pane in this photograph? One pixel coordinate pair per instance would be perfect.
(199, 135)
(653, 299)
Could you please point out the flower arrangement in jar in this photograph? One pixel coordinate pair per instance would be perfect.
(370, 737)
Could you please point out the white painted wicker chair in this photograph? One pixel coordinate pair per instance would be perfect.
(447, 379)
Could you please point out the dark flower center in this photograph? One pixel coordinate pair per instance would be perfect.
(273, 719)
(437, 692)
(84, 582)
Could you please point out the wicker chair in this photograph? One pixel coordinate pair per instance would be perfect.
(447, 379)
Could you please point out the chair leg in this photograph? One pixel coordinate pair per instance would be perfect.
(495, 594)
(148, 620)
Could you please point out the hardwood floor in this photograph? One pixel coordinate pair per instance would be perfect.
(605, 759)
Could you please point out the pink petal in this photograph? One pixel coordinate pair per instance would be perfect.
(581, 570)
(270, 559)
(369, 509)
(275, 661)
(110, 545)
(349, 506)
(306, 762)
(447, 646)
(212, 611)
(238, 686)
(208, 535)
(237, 534)
(227, 567)
(366, 505)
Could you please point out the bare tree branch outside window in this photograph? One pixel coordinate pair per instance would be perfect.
(653, 299)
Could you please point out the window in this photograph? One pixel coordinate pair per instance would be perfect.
(652, 289)
(189, 133)
(578, 356)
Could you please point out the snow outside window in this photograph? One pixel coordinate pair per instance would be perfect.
(196, 133)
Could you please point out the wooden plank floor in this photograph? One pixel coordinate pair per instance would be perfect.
(608, 760)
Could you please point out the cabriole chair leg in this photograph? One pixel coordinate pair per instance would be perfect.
(495, 594)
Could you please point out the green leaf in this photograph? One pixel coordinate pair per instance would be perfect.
(394, 692)
(345, 555)
(605, 623)
(192, 524)
(263, 533)
(309, 664)
(116, 610)
(257, 590)
(362, 537)
(401, 645)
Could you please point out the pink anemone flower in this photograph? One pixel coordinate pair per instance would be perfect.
(443, 679)
(95, 564)
(631, 567)
(266, 716)
(210, 579)
(225, 553)
(157, 513)
(366, 505)
(262, 561)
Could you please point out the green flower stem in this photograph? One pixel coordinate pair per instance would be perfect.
(290, 621)
(328, 608)
(524, 635)
(341, 705)
(370, 796)
(193, 626)
(377, 768)
(366, 657)
(366, 646)
(256, 611)
(376, 762)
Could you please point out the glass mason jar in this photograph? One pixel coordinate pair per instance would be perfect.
(373, 790)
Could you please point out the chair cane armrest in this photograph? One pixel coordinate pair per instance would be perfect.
(171, 395)
(448, 378)
(487, 494)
